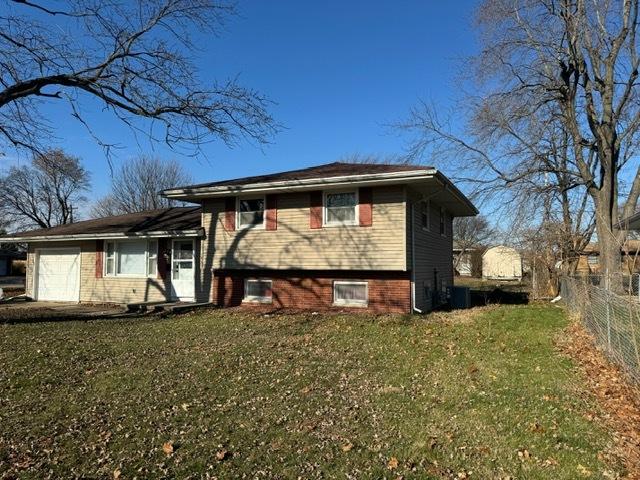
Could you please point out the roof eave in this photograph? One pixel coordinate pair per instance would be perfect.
(471, 211)
(196, 232)
(630, 223)
(196, 193)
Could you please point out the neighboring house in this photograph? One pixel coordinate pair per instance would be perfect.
(501, 263)
(337, 235)
(589, 260)
(630, 223)
(10, 262)
(464, 267)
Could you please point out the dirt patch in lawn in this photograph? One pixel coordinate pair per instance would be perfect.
(618, 398)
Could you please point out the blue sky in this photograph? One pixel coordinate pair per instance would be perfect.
(338, 71)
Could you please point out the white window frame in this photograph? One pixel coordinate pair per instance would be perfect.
(152, 256)
(260, 226)
(115, 273)
(256, 299)
(593, 260)
(350, 303)
(426, 204)
(355, 221)
(106, 259)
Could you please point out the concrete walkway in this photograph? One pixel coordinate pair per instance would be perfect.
(25, 311)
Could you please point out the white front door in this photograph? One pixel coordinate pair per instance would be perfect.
(183, 270)
(58, 274)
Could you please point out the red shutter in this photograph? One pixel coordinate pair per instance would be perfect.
(365, 198)
(230, 214)
(315, 210)
(162, 259)
(99, 258)
(271, 214)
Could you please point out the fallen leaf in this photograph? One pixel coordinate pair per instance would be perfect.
(584, 471)
(536, 427)
(393, 463)
(116, 474)
(347, 447)
(524, 454)
(167, 448)
(221, 455)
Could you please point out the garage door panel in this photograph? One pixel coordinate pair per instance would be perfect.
(58, 275)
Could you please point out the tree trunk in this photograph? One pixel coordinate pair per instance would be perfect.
(609, 243)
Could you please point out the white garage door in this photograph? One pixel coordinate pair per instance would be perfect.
(58, 275)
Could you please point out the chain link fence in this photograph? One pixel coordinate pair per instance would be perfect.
(612, 318)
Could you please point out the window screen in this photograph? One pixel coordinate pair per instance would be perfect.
(340, 208)
(251, 212)
(132, 258)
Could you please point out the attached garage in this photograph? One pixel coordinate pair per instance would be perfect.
(57, 275)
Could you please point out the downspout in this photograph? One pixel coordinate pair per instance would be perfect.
(413, 259)
(413, 246)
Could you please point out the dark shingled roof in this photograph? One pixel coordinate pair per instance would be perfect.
(13, 254)
(174, 219)
(336, 169)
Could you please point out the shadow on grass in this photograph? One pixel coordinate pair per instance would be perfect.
(498, 295)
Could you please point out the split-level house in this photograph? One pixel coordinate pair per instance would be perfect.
(341, 235)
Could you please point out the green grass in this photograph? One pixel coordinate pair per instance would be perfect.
(297, 396)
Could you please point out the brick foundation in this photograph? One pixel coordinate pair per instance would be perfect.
(389, 292)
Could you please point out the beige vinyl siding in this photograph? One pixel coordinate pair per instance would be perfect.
(434, 252)
(100, 290)
(294, 245)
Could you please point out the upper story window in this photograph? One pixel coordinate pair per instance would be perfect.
(131, 258)
(442, 222)
(593, 260)
(424, 215)
(251, 212)
(340, 208)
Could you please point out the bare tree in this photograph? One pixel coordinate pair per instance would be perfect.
(569, 66)
(46, 193)
(581, 57)
(134, 56)
(468, 233)
(517, 163)
(135, 186)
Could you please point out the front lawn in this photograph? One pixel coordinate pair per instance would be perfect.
(227, 395)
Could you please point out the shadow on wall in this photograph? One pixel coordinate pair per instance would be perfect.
(240, 255)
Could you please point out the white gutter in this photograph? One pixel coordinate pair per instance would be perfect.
(198, 232)
(374, 178)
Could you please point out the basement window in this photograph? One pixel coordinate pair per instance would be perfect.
(258, 290)
(350, 294)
